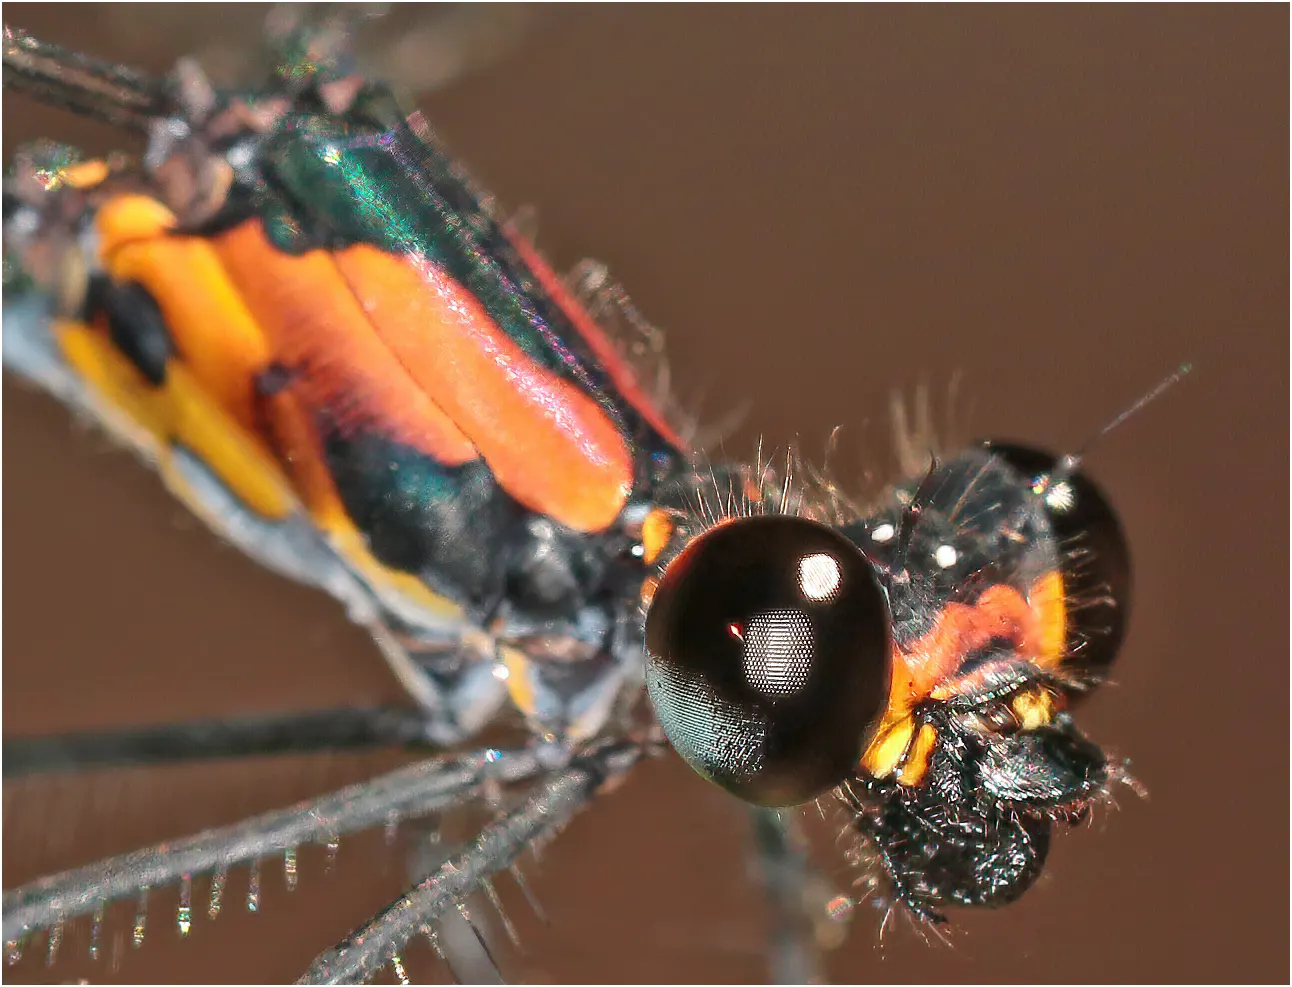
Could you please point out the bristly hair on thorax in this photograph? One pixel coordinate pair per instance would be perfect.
(786, 482)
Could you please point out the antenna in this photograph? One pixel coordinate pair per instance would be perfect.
(1070, 463)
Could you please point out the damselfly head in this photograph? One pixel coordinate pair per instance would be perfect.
(786, 657)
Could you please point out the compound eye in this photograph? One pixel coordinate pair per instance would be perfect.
(1096, 565)
(768, 657)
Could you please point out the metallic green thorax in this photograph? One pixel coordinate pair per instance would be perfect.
(375, 176)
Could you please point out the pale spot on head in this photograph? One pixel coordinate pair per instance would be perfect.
(1060, 497)
(883, 532)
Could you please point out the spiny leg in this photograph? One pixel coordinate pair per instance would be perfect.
(427, 786)
(464, 937)
(785, 874)
(363, 955)
(60, 77)
(195, 740)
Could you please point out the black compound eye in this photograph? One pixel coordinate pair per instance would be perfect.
(1095, 556)
(768, 657)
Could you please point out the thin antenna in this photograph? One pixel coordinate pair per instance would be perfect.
(1183, 371)
(1070, 463)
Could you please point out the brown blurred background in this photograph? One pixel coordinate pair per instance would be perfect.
(818, 205)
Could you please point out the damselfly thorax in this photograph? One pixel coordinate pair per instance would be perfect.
(344, 361)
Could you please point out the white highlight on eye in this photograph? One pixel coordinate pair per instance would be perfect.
(778, 651)
(883, 532)
(946, 556)
(819, 576)
(501, 672)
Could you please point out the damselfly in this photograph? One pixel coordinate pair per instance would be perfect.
(353, 365)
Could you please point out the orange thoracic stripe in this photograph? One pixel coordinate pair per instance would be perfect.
(317, 329)
(550, 445)
(623, 375)
(1000, 612)
(375, 340)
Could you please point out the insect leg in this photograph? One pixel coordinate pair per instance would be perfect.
(59, 77)
(784, 871)
(458, 689)
(363, 955)
(427, 786)
(284, 733)
(465, 936)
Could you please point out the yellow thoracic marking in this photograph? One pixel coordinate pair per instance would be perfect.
(885, 751)
(1047, 602)
(519, 686)
(128, 218)
(179, 412)
(1034, 709)
(84, 174)
(917, 759)
(346, 539)
(657, 529)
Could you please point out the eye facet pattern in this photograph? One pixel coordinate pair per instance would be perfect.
(768, 657)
